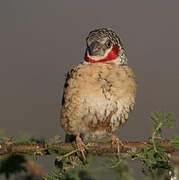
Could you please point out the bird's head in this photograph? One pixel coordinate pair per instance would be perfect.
(104, 45)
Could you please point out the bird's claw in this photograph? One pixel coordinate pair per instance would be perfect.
(81, 146)
(115, 140)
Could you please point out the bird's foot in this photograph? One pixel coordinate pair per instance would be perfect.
(81, 146)
(115, 140)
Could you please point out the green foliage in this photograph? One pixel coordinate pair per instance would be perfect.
(153, 157)
(51, 149)
(159, 121)
(26, 139)
(78, 174)
(155, 164)
(3, 137)
(11, 164)
(54, 174)
(72, 174)
(155, 160)
(72, 168)
(120, 168)
(22, 138)
(66, 166)
(175, 142)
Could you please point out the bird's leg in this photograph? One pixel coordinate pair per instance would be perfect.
(115, 140)
(81, 146)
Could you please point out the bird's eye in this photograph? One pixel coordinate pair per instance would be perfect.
(108, 44)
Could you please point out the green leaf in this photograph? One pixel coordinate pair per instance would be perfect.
(175, 142)
(159, 122)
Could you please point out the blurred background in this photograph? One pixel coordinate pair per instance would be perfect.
(41, 40)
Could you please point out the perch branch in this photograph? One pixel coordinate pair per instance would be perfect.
(63, 148)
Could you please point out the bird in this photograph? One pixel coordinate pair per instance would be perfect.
(100, 92)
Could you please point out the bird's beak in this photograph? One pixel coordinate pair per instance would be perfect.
(96, 49)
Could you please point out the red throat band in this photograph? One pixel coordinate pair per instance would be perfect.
(112, 55)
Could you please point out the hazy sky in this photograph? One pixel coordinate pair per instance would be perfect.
(40, 40)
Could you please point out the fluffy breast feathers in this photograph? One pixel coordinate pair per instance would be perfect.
(97, 98)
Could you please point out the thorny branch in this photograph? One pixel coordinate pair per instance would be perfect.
(99, 148)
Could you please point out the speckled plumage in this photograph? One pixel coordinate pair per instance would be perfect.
(98, 97)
